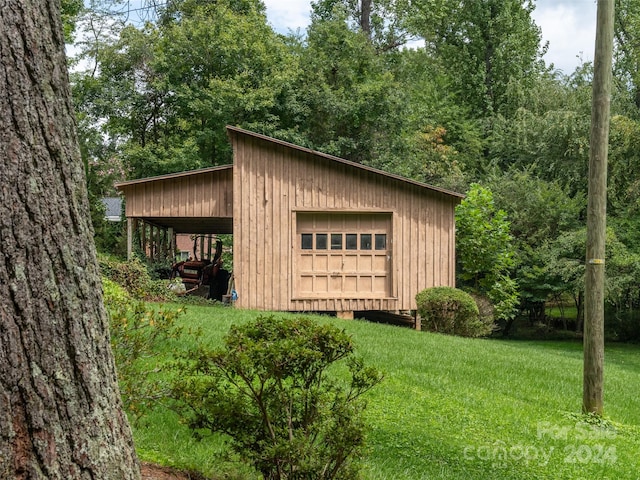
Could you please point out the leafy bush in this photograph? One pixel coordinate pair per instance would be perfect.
(159, 270)
(485, 251)
(269, 390)
(486, 309)
(137, 332)
(114, 293)
(622, 326)
(134, 277)
(452, 311)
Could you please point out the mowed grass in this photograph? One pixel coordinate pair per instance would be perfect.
(451, 408)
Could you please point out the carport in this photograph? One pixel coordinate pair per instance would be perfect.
(159, 208)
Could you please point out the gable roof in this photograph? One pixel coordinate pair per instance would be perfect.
(231, 129)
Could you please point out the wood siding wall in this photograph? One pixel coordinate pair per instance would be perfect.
(207, 194)
(272, 182)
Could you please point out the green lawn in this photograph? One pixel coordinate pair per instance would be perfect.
(452, 408)
(569, 312)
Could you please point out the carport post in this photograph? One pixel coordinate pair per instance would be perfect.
(130, 238)
(171, 242)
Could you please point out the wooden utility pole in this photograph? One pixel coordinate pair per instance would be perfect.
(593, 376)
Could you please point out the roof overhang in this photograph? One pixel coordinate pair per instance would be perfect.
(193, 225)
(181, 224)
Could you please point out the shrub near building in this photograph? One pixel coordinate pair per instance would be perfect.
(452, 311)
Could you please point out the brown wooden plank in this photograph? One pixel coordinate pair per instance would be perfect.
(424, 256)
(238, 224)
(280, 275)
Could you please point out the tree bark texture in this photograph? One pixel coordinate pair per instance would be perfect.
(60, 410)
(365, 17)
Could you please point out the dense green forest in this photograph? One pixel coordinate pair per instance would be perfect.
(475, 110)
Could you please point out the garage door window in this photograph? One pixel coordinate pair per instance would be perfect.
(321, 241)
(336, 241)
(365, 241)
(307, 241)
(351, 242)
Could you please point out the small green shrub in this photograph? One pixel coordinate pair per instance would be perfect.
(452, 311)
(133, 275)
(159, 270)
(114, 293)
(270, 391)
(137, 333)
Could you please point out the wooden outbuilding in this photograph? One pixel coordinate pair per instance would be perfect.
(311, 232)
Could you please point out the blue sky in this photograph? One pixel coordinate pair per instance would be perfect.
(568, 25)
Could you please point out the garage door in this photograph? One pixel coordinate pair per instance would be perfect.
(343, 255)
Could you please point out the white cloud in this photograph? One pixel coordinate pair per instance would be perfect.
(570, 28)
(286, 15)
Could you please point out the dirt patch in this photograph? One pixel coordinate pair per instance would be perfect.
(151, 471)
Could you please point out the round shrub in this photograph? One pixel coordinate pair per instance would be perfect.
(273, 391)
(451, 311)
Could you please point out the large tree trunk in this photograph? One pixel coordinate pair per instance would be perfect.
(60, 409)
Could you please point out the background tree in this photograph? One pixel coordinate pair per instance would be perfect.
(549, 134)
(488, 47)
(382, 22)
(539, 212)
(563, 259)
(350, 101)
(70, 10)
(485, 251)
(434, 139)
(626, 50)
(60, 410)
(164, 92)
(623, 185)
